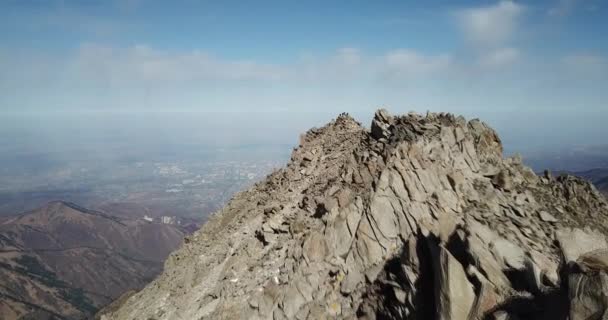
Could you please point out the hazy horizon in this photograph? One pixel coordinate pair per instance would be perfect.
(520, 132)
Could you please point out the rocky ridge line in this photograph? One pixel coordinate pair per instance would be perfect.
(418, 218)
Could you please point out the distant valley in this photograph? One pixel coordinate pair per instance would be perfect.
(64, 261)
(572, 158)
(187, 188)
(169, 165)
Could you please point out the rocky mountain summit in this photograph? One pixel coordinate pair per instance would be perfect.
(420, 217)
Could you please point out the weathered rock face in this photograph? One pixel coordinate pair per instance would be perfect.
(421, 218)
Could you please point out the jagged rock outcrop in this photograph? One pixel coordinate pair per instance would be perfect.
(419, 218)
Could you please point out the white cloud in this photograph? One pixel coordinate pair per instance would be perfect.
(405, 62)
(142, 63)
(99, 75)
(140, 67)
(128, 5)
(586, 63)
(567, 7)
(499, 57)
(351, 65)
(563, 7)
(343, 64)
(491, 25)
(348, 56)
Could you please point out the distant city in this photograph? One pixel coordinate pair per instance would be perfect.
(168, 192)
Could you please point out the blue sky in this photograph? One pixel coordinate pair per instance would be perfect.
(499, 60)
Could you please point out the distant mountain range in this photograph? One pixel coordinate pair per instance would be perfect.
(63, 261)
(572, 159)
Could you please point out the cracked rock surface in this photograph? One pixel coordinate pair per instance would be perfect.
(420, 217)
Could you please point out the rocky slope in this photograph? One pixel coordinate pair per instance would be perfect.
(599, 178)
(418, 218)
(65, 262)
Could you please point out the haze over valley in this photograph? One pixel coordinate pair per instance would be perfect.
(129, 161)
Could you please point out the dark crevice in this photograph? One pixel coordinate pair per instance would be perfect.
(458, 248)
(320, 211)
(520, 280)
(381, 300)
(550, 305)
(260, 236)
(425, 286)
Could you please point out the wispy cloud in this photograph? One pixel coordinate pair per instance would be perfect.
(62, 17)
(348, 56)
(490, 31)
(562, 8)
(128, 5)
(566, 7)
(409, 63)
(490, 26)
(586, 63)
(499, 57)
(141, 63)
